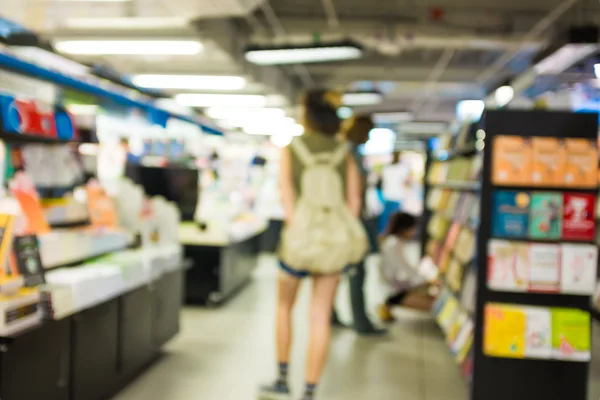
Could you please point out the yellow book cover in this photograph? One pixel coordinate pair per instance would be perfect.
(505, 328)
(549, 161)
(448, 313)
(511, 161)
(581, 163)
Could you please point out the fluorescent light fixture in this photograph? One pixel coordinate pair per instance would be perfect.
(267, 129)
(92, 1)
(423, 128)
(304, 54)
(362, 98)
(234, 114)
(597, 70)
(393, 117)
(469, 110)
(564, 58)
(192, 82)
(221, 100)
(129, 47)
(125, 23)
(503, 95)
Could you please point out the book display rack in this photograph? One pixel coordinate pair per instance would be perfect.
(518, 258)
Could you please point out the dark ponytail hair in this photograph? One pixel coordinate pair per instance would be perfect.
(320, 112)
(400, 223)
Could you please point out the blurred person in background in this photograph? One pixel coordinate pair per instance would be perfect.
(396, 181)
(356, 133)
(320, 187)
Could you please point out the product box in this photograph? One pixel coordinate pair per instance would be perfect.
(508, 266)
(505, 329)
(571, 331)
(538, 340)
(510, 214)
(544, 268)
(582, 163)
(549, 161)
(545, 215)
(579, 217)
(511, 161)
(579, 269)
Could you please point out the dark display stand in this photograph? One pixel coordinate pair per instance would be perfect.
(525, 379)
(219, 271)
(93, 354)
(269, 240)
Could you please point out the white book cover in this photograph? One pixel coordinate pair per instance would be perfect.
(508, 266)
(544, 271)
(579, 268)
(538, 342)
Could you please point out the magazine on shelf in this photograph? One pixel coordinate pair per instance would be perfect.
(581, 169)
(579, 268)
(545, 215)
(571, 335)
(508, 266)
(549, 161)
(579, 216)
(511, 161)
(544, 269)
(510, 214)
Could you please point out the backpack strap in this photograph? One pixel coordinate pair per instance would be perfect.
(303, 153)
(339, 154)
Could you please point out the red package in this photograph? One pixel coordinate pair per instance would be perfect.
(579, 219)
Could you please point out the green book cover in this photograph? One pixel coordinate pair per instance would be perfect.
(571, 331)
(545, 216)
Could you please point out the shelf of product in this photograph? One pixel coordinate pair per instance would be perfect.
(525, 243)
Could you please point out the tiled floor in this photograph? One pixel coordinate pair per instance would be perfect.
(224, 353)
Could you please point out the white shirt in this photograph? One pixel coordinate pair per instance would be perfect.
(396, 269)
(394, 182)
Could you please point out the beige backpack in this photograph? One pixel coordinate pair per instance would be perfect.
(324, 236)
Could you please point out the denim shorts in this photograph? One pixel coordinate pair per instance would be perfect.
(301, 274)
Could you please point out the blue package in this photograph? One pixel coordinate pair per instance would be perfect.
(510, 214)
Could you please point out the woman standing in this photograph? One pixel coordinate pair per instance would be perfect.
(357, 134)
(320, 190)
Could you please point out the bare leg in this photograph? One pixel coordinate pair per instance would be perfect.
(288, 289)
(418, 301)
(324, 288)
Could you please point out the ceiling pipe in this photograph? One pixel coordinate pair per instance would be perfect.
(533, 34)
(434, 76)
(332, 17)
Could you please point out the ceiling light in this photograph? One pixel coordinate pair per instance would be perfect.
(192, 82)
(221, 100)
(345, 112)
(469, 110)
(92, 1)
(274, 127)
(304, 54)
(564, 58)
(503, 95)
(393, 117)
(597, 70)
(129, 47)
(362, 98)
(423, 128)
(230, 113)
(125, 23)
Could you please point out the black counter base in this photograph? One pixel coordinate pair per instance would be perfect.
(95, 353)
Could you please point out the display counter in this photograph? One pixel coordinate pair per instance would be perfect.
(222, 262)
(95, 352)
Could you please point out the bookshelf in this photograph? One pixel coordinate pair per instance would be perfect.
(511, 239)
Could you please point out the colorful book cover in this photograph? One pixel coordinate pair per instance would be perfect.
(545, 215)
(448, 314)
(454, 275)
(539, 333)
(505, 328)
(582, 163)
(579, 216)
(508, 266)
(579, 269)
(464, 250)
(511, 161)
(469, 289)
(571, 334)
(549, 161)
(510, 214)
(463, 337)
(544, 269)
(440, 302)
(460, 320)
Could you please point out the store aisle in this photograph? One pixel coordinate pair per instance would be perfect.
(222, 354)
